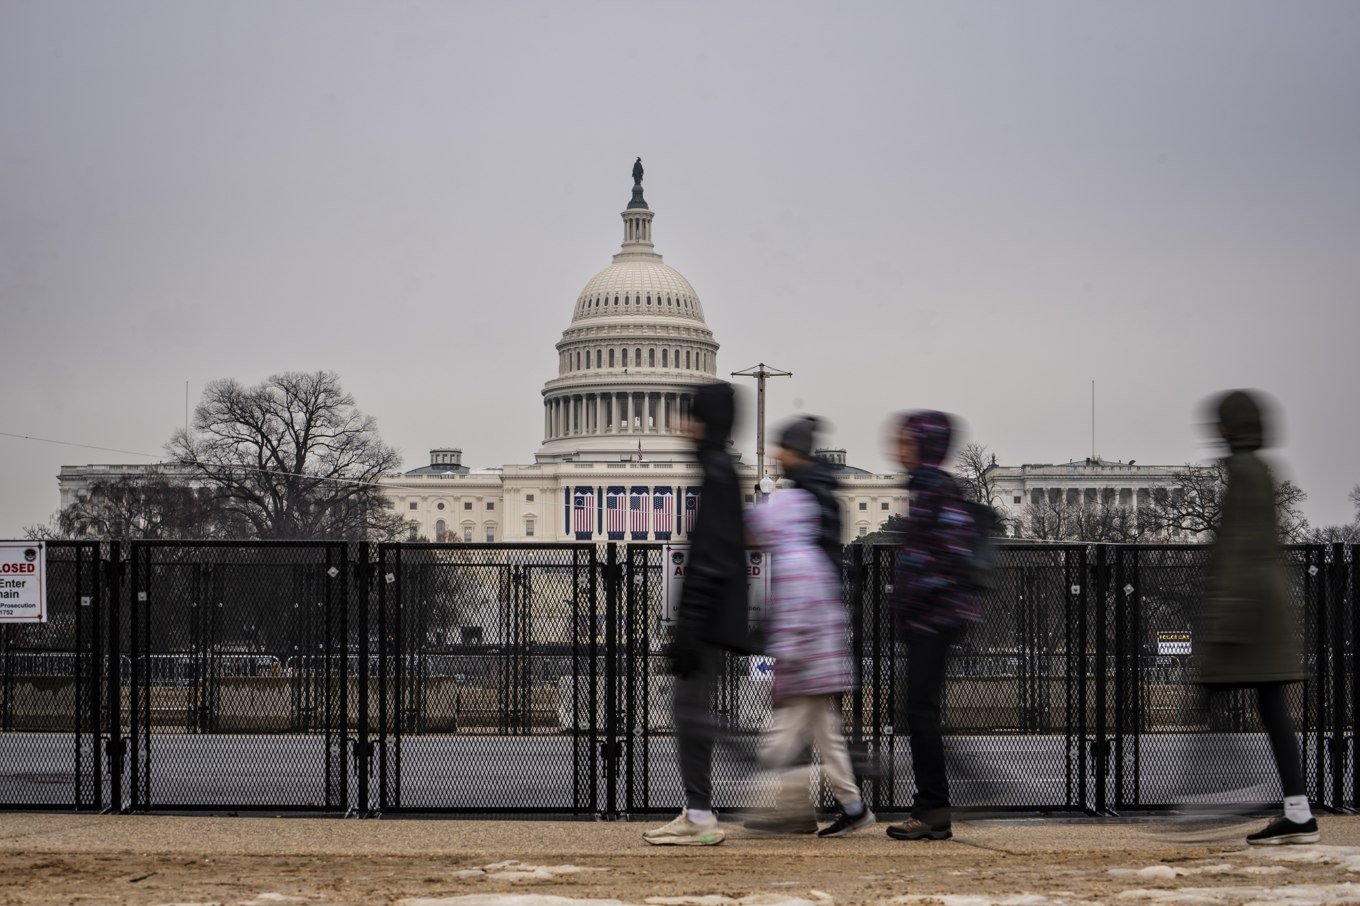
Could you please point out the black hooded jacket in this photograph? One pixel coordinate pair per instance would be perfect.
(712, 605)
(816, 477)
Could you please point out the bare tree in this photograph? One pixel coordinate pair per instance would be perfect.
(975, 469)
(890, 531)
(1341, 534)
(136, 507)
(1102, 520)
(1193, 504)
(292, 457)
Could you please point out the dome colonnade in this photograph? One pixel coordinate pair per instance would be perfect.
(630, 361)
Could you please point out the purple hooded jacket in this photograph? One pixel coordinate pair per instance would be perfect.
(931, 588)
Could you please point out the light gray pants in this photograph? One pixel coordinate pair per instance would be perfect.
(800, 721)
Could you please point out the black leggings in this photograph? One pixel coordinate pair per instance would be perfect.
(1273, 706)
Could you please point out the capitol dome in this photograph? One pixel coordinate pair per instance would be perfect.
(629, 362)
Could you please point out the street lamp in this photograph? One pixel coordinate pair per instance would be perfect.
(760, 373)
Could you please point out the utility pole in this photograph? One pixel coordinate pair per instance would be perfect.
(760, 373)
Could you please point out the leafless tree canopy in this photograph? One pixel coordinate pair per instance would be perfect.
(291, 457)
(975, 469)
(130, 508)
(1194, 504)
(1341, 534)
(1103, 520)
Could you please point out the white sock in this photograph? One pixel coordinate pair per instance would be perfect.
(853, 809)
(1296, 809)
(703, 815)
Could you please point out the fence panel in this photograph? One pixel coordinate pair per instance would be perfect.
(532, 679)
(1178, 745)
(241, 673)
(51, 687)
(486, 675)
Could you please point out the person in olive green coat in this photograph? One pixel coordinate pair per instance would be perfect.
(1247, 636)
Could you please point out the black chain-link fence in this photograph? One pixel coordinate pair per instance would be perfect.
(356, 678)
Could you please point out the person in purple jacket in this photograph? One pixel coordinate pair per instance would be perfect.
(933, 601)
(808, 637)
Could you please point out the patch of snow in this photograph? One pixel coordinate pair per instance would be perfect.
(951, 899)
(514, 870)
(755, 899)
(506, 899)
(1285, 895)
(1347, 857)
(1168, 872)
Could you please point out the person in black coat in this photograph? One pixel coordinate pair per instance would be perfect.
(711, 615)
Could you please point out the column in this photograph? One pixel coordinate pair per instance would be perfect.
(630, 413)
(599, 413)
(662, 427)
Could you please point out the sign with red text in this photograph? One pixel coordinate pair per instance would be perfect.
(23, 582)
(673, 579)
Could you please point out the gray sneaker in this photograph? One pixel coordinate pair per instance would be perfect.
(684, 832)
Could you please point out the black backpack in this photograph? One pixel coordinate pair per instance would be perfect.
(982, 565)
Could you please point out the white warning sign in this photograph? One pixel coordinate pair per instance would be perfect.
(673, 579)
(23, 582)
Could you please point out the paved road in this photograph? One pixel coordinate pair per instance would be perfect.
(535, 773)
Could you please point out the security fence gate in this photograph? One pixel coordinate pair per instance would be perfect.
(351, 678)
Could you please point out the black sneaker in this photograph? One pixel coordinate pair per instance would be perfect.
(775, 824)
(1282, 830)
(916, 829)
(844, 824)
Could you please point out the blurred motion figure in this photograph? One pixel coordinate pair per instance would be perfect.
(1247, 637)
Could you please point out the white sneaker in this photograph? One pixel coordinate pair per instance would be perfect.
(684, 832)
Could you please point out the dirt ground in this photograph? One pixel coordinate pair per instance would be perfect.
(46, 859)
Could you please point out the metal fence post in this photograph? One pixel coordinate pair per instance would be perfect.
(362, 570)
(1331, 600)
(610, 747)
(113, 683)
(1350, 603)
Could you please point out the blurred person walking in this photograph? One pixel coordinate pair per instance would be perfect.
(807, 636)
(1247, 634)
(711, 615)
(934, 599)
(802, 469)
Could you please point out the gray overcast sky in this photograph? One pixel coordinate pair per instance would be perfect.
(980, 207)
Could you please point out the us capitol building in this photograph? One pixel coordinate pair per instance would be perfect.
(613, 464)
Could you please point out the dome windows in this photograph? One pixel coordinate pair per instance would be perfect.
(611, 358)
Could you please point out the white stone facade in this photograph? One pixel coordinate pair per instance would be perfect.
(1078, 482)
(613, 464)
